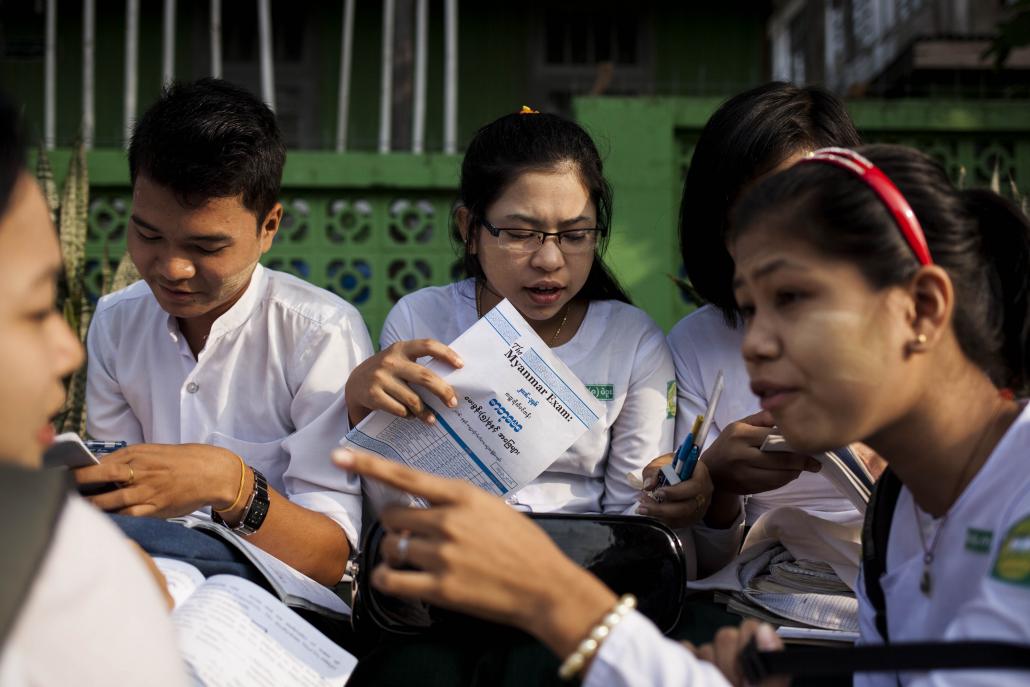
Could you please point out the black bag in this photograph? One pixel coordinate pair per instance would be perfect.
(630, 554)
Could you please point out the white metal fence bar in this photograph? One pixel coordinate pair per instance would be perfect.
(265, 38)
(50, 77)
(131, 57)
(386, 78)
(168, 43)
(88, 37)
(450, 85)
(343, 97)
(215, 33)
(418, 119)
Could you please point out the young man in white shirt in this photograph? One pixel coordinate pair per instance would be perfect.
(225, 378)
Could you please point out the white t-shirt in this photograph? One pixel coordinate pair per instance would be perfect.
(619, 351)
(268, 384)
(702, 344)
(981, 577)
(94, 616)
(980, 573)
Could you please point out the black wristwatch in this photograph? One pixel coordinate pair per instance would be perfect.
(256, 510)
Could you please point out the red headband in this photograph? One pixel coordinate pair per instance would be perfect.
(885, 190)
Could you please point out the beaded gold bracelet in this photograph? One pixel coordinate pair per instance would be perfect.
(239, 494)
(579, 658)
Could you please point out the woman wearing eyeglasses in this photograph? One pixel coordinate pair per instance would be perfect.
(533, 220)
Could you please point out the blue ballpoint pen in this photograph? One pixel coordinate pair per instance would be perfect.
(687, 468)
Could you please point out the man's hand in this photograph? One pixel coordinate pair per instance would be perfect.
(164, 481)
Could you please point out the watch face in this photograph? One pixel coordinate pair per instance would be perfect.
(259, 505)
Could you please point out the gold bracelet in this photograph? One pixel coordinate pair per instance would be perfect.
(574, 664)
(239, 494)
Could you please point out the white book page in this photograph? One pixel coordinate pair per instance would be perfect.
(285, 579)
(232, 633)
(290, 581)
(182, 579)
(519, 408)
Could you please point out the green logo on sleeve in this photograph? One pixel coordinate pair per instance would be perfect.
(670, 400)
(978, 541)
(602, 392)
(1013, 562)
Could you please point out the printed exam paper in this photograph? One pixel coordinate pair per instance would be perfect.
(519, 408)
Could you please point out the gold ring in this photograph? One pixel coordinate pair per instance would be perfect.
(700, 502)
(132, 476)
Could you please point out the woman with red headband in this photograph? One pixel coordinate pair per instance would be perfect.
(880, 304)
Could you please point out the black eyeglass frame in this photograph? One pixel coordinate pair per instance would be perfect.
(496, 232)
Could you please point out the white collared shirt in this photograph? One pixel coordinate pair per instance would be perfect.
(268, 384)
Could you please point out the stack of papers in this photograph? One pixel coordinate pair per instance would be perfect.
(780, 590)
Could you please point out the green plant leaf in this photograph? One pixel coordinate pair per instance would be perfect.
(45, 175)
(688, 290)
(74, 217)
(125, 275)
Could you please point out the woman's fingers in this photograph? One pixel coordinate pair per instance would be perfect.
(727, 653)
(650, 473)
(412, 584)
(398, 391)
(418, 348)
(409, 549)
(675, 514)
(684, 491)
(412, 373)
(436, 490)
(762, 418)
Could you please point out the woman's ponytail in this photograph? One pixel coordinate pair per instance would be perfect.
(1005, 233)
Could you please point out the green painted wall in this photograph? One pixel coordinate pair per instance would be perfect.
(649, 142)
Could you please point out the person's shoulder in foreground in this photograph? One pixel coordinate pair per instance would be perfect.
(108, 634)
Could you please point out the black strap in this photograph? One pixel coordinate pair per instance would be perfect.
(30, 503)
(918, 656)
(876, 530)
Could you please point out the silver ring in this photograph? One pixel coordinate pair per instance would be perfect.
(402, 548)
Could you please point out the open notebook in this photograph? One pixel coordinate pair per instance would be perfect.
(841, 466)
(232, 632)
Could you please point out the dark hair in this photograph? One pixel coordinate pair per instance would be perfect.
(978, 237)
(747, 137)
(210, 139)
(518, 143)
(12, 150)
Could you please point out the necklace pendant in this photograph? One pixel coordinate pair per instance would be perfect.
(925, 582)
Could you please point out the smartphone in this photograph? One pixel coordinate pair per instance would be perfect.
(68, 451)
(71, 452)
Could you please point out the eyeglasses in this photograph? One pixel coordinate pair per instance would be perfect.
(525, 241)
